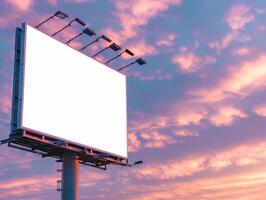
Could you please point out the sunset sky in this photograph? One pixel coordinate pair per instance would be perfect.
(196, 112)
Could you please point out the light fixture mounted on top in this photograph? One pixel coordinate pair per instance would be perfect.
(58, 14)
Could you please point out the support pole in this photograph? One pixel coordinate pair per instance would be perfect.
(70, 176)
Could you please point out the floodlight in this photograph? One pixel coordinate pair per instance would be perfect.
(125, 51)
(89, 31)
(80, 22)
(140, 61)
(129, 52)
(112, 46)
(86, 31)
(58, 14)
(96, 40)
(61, 15)
(138, 162)
(69, 24)
(135, 163)
(106, 38)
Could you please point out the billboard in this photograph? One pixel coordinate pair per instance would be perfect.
(70, 96)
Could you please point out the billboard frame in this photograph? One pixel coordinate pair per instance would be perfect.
(41, 143)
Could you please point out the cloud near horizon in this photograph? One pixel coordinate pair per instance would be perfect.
(236, 156)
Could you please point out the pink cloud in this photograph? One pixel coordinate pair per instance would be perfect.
(88, 178)
(9, 20)
(150, 140)
(80, 1)
(227, 40)
(11, 157)
(186, 133)
(141, 48)
(134, 143)
(239, 16)
(151, 124)
(52, 2)
(113, 34)
(135, 14)
(148, 133)
(170, 170)
(193, 116)
(189, 62)
(166, 40)
(242, 51)
(5, 104)
(17, 188)
(140, 12)
(5, 99)
(243, 80)
(219, 45)
(226, 115)
(17, 183)
(157, 140)
(248, 184)
(177, 114)
(132, 16)
(237, 156)
(260, 110)
(23, 6)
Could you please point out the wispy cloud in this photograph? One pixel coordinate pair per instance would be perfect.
(260, 110)
(224, 42)
(5, 102)
(149, 133)
(134, 143)
(141, 48)
(189, 62)
(243, 80)
(241, 185)
(237, 156)
(52, 2)
(239, 16)
(242, 51)
(186, 132)
(166, 40)
(17, 188)
(226, 115)
(157, 140)
(135, 14)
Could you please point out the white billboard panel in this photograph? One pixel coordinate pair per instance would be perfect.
(71, 96)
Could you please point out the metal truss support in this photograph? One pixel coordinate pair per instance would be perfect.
(4, 141)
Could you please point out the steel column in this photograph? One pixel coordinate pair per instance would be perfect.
(70, 176)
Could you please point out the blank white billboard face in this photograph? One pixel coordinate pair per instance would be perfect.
(71, 96)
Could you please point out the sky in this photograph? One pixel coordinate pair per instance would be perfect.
(196, 112)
